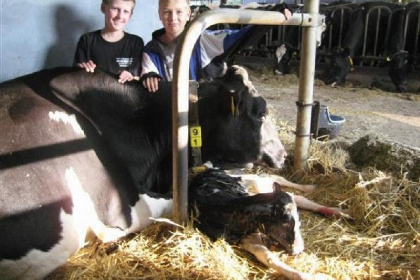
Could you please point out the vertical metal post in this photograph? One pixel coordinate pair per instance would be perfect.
(306, 84)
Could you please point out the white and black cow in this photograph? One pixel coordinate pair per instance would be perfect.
(108, 168)
(60, 175)
(376, 28)
(403, 44)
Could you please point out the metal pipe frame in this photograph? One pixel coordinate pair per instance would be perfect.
(180, 100)
(306, 86)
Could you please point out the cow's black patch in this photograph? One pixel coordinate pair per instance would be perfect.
(38, 228)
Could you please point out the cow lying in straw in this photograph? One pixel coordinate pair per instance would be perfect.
(99, 157)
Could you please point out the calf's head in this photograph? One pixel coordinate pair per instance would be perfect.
(274, 215)
(225, 209)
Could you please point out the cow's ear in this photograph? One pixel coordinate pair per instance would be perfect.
(241, 91)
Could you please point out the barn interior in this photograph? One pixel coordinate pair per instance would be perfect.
(381, 237)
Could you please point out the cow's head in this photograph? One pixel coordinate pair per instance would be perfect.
(284, 55)
(339, 66)
(400, 65)
(235, 120)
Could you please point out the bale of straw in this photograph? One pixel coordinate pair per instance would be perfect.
(376, 151)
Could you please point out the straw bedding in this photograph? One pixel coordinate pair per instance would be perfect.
(380, 241)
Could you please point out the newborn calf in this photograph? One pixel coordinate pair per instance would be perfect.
(224, 208)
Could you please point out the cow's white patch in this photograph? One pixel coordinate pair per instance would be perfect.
(85, 214)
(83, 208)
(146, 209)
(67, 119)
(37, 264)
(280, 51)
(320, 30)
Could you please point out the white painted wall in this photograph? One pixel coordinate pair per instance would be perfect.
(39, 34)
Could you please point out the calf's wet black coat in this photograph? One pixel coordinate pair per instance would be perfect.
(225, 209)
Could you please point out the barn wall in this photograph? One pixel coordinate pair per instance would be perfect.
(44, 33)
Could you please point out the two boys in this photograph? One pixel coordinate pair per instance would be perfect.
(118, 52)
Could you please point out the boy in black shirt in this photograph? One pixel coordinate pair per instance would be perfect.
(111, 49)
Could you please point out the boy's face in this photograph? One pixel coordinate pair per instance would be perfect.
(174, 14)
(117, 14)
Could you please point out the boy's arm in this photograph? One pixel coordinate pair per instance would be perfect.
(150, 76)
(148, 66)
(250, 35)
(224, 43)
(82, 58)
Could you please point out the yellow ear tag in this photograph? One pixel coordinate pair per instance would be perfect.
(351, 61)
(232, 105)
(388, 59)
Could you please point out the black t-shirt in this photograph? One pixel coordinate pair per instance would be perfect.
(125, 54)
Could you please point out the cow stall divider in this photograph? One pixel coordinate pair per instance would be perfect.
(310, 20)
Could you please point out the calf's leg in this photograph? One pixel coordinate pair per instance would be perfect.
(253, 244)
(265, 184)
(306, 204)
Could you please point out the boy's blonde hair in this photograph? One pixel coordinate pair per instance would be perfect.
(162, 2)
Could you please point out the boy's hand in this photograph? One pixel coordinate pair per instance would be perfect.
(287, 14)
(125, 76)
(151, 84)
(88, 66)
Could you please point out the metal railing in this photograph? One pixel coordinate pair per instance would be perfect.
(377, 26)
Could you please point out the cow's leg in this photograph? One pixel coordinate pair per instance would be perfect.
(85, 214)
(306, 204)
(253, 244)
(142, 213)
